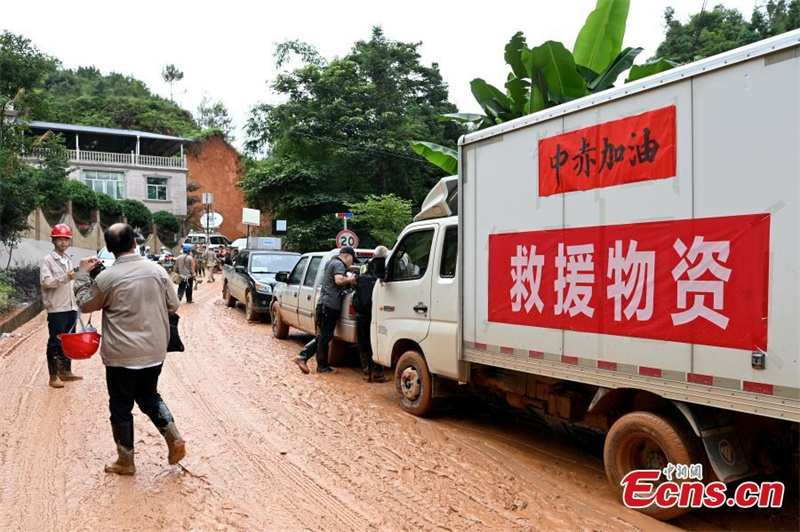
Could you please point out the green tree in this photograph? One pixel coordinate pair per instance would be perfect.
(84, 199)
(712, 32)
(110, 209)
(22, 65)
(380, 219)
(138, 215)
(214, 115)
(167, 225)
(171, 75)
(343, 133)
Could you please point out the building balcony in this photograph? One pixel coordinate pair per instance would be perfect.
(119, 159)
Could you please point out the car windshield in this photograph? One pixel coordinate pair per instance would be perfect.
(268, 263)
(105, 254)
(219, 240)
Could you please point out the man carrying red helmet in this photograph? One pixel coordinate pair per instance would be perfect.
(57, 275)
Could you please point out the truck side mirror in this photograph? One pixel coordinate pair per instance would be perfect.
(282, 277)
(379, 267)
(240, 269)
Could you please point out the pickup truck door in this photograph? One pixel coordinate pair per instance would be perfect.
(403, 301)
(305, 310)
(291, 292)
(240, 276)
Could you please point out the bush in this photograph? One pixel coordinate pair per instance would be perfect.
(110, 209)
(84, 200)
(138, 215)
(6, 291)
(167, 222)
(24, 278)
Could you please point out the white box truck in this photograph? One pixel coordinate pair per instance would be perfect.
(627, 261)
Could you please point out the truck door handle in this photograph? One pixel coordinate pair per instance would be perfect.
(294, 294)
(420, 308)
(308, 297)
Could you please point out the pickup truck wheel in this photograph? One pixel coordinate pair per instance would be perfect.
(230, 301)
(279, 329)
(648, 440)
(249, 307)
(413, 382)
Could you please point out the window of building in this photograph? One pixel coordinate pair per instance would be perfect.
(110, 183)
(157, 188)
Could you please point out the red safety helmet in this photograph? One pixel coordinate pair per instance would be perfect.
(80, 346)
(61, 231)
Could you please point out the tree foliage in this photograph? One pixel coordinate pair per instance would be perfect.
(343, 132)
(22, 65)
(712, 32)
(215, 116)
(171, 74)
(382, 218)
(138, 215)
(166, 222)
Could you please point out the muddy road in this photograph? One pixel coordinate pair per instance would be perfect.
(269, 448)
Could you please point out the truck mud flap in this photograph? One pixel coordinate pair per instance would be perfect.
(720, 440)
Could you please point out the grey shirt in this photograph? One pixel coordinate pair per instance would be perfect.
(331, 292)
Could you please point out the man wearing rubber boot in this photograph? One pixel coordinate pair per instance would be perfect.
(362, 302)
(334, 281)
(56, 278)
(136, 297)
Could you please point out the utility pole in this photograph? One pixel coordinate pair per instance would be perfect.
(208, 200)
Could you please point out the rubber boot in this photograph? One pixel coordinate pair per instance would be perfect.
(123, 436)
(65, 370)
(52, 369)
(165, 423)
(377, 374)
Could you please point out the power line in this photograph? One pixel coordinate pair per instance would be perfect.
(353, 146)
(697, 31)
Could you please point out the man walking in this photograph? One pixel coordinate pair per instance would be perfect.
(184, 265)
(362, 302)
(211, 263)
(334, 282)
(56, 278)
(136, 297)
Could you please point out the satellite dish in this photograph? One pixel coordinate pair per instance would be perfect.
(211, 220)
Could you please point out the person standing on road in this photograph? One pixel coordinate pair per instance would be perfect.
(362, 302)
(184, 265)
(211, 263)
(201, 261)
(334, 282)
(136, 297)
(56, 278)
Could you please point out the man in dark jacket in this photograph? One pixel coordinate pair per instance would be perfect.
(329, 306)
(362, 301)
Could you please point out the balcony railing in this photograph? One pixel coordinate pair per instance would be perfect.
(126, 159)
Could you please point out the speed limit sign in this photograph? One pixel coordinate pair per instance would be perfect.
(346, 238)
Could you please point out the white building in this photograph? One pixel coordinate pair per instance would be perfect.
(125, 164)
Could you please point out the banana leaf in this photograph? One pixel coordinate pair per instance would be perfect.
(518, 90)
(648, 69)
(486, 94)
(600, 39)
(443, 157)
(513, 55)
(557, 65)
(622, 63)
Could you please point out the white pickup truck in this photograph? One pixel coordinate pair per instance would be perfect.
(295, 300)
(627, 262)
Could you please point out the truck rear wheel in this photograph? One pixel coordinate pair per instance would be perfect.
(413, 381)
(279, 329)
(230, 301)
(250, 307)
(648, 440)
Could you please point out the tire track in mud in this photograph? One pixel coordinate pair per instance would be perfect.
(260, 450)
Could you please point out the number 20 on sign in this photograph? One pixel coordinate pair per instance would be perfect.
(346, 238)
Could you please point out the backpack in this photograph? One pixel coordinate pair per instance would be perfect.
(362, 298)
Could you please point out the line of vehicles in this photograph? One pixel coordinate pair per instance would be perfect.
(622, 263)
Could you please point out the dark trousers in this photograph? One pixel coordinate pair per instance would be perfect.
(186, 286)
(58, 323)
(364, 345)
(128, 385)
(327, 318)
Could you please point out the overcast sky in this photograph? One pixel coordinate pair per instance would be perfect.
(225, 47)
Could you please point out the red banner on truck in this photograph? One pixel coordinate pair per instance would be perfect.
(633, 149)
(702, 281)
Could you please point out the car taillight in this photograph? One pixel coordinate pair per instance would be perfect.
(351, 310)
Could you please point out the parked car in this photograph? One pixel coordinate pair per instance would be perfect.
(106, 257)
(295, 299)
(197, 239)
(251, 279)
